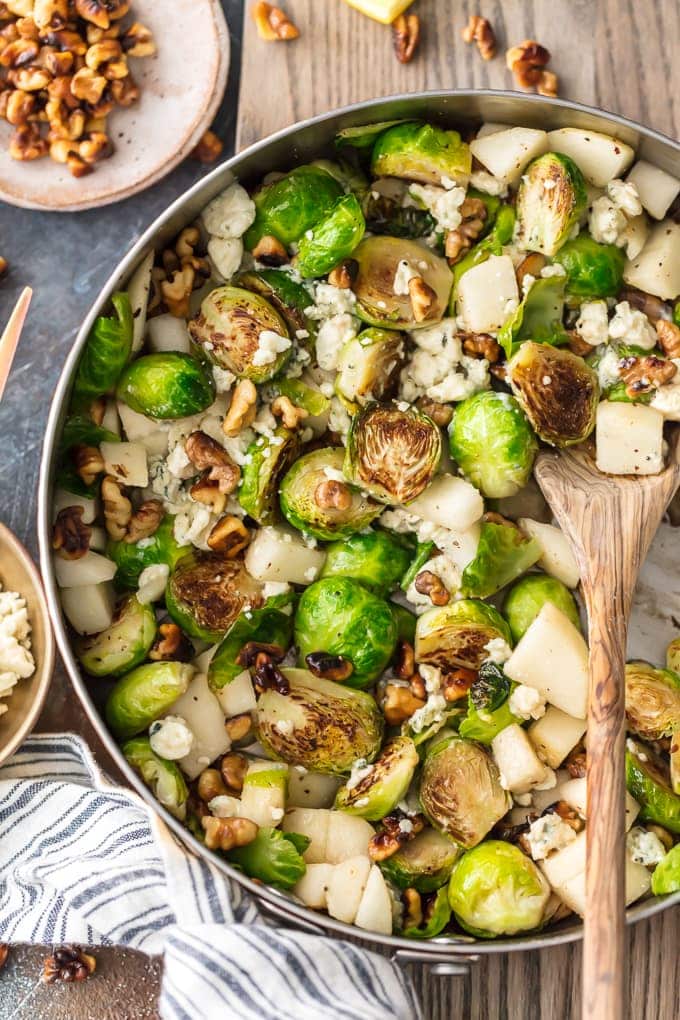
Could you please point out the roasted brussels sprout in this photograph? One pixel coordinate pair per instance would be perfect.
(423, 864)
(123, 645)
(527, 597)
(164, 386)
(290, 298)
(538, 317)
(385, 215)
(493, 444)
(673, 655)
(379, 791)
(363, 136)
(319, 724)
(105, 354)
(267, 461)
(293, 204)
(303, 500)
(460, 789)
(666, 877)
(378, 259)
(331, 239)
(593, 270)
(405, 621)
(652, 701)
(562, 412)
(421, 152)
(270, 625)
(457, 634)
(206, 592)
(145, 694)
(488, 711)
(229, 330)
(647, 781)
(348, 174)
(79, 431)
(132, 558)
(338, 616)
(436, 914)
(547, 214)
(369, 365)
(392, 454)
(504, 553)
(163, 777)
(377, 559)
(302, 395)
(495, 889)
(273, 857)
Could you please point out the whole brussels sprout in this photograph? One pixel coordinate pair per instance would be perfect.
(652, 701)
(673, 655)
(424, 864)
(457, 634)
(493, 444)
(538, 317)
(421, 152)
(267, 461)
(338, 616)
(144, 695)
(131, 558)
(369, 366)
(79, 431)
(460, 790)
(378, 259)
(562, 412)
(293, 204)
(331, 239)
(378, 793)
(319, 724)
(495, 889)
(206, 592)
(105, 354)
(392, 454)
(377, 559)
(593, 270)
(436, 914)
(648, 783)
(527, 597)
(274, 857)
(228, 331)
(666, 877)
(546, 215)
(123, 645)
(270, 625)
(504, 553)
(163, 777)
(165, 386)
(301, 498)
(290, 298)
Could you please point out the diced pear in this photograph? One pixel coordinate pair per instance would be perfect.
(574, 793)
(92, 568)
(202, 661)
(348, 836)
(126, 462)
(138, 292)
(552, 656)
(555, 734)
(638, 880)
(346, 887)
(168, 333)
(449, 502)
(110, 419)
(656, 188)
(263, 798)
(313, 887)
(89, 609)
(491, 127)
(98, 539)
(572, 889)
(565, 864)
(280, 554)
(203, 714)
(238, 696)
(600, 158)
(557, 558)
(656, 269)
(136, 426)
(375, 909)
(505, 153)
(634, 235)
(628, 439)
(311, 789)
(62, 499)
(488, 294)
(517, 761)
(313, 823)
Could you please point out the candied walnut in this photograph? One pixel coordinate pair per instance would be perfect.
(457, 683)
(177, 291)
(548, 84)
(423, 298)
(145, 521)
(87, 85)
(669, 337)
(399, 704)
(95, 147)
(50, 14)
(240, 728)
(103, 53)
(480, 31)
(20, 106)
(273, 24)
(56, 62)
(344, 274)
(208, 149)
(227, 833)
(208, 493)
(30, 79)
(459, 241)
(329, 667)
(233, 768)
(394, 834)
(207, 455)
(270, 251)
(229, 536)
(70, 535)
(642, 375)
(242, 409)
(405, 36)
(170, 645)
(528, 61)
(255, 653)
(88, 462)
(268, 676)
(441, 414)
(575, 762)
(67, 40)
(210, 784)
(481, 345)
(138, 41)
(333, 495)
(68, 963)
(290, 414)
(102, 12)
(19, 53)
(427, 583)
(413, 908)
(124, 91)
(77, 165)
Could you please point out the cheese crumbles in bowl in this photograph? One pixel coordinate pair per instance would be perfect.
(16, 659)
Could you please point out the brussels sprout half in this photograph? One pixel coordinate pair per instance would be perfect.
(378, 259)
(648, 783)
(593, 270)
(504, 553)
(302, 395)
(652, 701)
(319, 724)
(551, 199)
(561, 411)
(527, 597)
(493, 444)
(267, 460)
(377, 559)
(369, 366)
(132, 558)
(488, 709)
(228, 329)
(274, 857)
(332, 239)
(457, 634)
(424, 864)
(338, 616)
(271, 625)
(206, 592)
(666, 877)
(292, 204)
(421, 152)
(163, 777)
(392, 454)
(495, 889)
(166, 386)
(460, 790)
(379, 792)
(436, 916)
(538, 317)
(105, 354)
(123, 645)
(144, 695)
(290, 298)
(300, 492)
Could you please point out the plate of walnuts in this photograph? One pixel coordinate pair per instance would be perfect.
(101, 98)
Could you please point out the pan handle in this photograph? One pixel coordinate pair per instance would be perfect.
(459, 967)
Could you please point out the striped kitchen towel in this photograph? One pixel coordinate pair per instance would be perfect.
(84, 861)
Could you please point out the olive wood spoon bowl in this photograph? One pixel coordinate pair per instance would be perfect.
(610, 522)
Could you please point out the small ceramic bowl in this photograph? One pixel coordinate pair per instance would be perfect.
(18, 573)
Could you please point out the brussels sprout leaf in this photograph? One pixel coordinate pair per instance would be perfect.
(538, 317)
(105, 355)
(273, 857)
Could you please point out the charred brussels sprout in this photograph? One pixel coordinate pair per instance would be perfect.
(378, 259)
(267, 461)
(457, 634)
(593, 270)
(436, 914)
(381, 789)
(307, 506)
(369, 365)
(493, 444)
(377, 559)
(562, 412)
(273, 857)
(270, 625)
(666, 877)
(338, 616)
(647, 781)
(392, 454)
(652, 701)
(105, 354)
(424, 864)
(123, 645)
(331, 239)
(163, 777)
(286, 295)
(293, 204)
(504, 553)
(527, 597)
(495, 889)
(166, 386)
(131, 558)
(206, 592)
(421, 152)
(460, 790)
(319, 724)
(144, 695)
(538, 317)
(229, 330)
(552, 197)
(385, 215)
(488, 710)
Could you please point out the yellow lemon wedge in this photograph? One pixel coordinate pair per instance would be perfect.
(381, 10)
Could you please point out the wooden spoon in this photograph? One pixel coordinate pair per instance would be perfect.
(610, 522)
(10, 337)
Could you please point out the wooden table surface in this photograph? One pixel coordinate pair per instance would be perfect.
(618, 54)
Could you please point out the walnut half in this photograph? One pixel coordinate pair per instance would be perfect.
(71, 536)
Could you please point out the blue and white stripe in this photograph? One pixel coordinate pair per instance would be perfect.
(84, 861)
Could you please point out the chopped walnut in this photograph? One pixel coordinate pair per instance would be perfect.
(233, 768)
(290, 414)
(145, 521)
(577, 345)
(207, 455)
(329, 667)
(480, 31)
(642, 375)
(413, 908)
(405, 660)
(548, 84)
(459, 241)
(138, 41)
(210, 784)
(441, 414)
(393, 835)
(207, 492)
(405, 36)
(27, 144)
(669, 337)
(88, 462)
(333, 495)
(575, 762)
(208, 149)
(121, 523)
(227, 833)
(423, 298)
(344, 274)
(399, 704)
(528, 61)
(68, 963)
(177, 291)
(70, 535)
(270, 252)
(531, 265)
(243, 408)
(240, 728)
(456, 684)
(481, 345)
(427, 583)
(229, 536)
(273, 24)
(168, 645)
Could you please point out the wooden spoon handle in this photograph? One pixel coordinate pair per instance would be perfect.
(11, 334)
